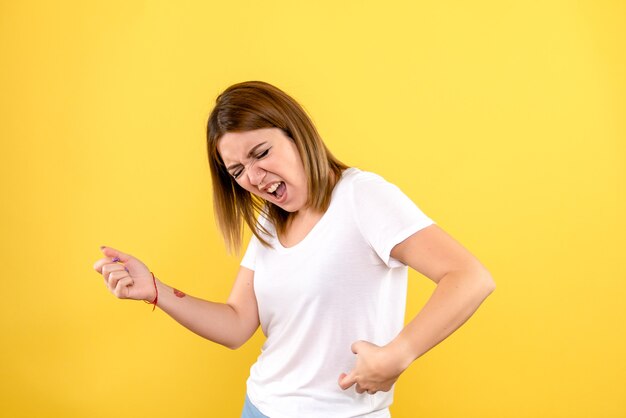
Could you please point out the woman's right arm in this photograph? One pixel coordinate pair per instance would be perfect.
(230, 324)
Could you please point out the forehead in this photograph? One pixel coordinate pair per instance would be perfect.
(234, 146)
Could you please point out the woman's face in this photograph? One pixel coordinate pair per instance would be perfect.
(266, 163)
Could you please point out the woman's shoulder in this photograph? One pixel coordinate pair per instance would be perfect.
(366, 188)
(360, 186)
(354, 175)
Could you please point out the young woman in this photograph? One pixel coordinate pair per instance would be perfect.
(325, 273)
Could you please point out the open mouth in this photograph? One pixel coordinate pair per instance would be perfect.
(277, 189)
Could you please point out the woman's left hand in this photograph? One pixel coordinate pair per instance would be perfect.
(377, 368)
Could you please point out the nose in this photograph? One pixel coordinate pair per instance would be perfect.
(255, 174)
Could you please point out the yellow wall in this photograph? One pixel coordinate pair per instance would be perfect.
(504, 121)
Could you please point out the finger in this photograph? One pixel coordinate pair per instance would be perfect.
(99, 265)
(356, 346)
(359, 389)
(122, 287)
(115, 277)
(372, 391)
(107, 269)
(341, 376)
(113, 253)
(346, 380)
(386, 388)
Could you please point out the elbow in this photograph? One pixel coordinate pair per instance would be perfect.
(234, 345)
(488, 283)
(237, 340)
(481, 280)
(228, 343)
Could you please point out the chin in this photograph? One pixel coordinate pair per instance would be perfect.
(285, 208)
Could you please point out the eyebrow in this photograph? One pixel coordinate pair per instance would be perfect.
(250, 154)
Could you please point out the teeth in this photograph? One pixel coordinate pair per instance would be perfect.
(273, 187)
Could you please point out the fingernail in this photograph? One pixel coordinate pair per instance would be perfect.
(126, 268)
(116, 259)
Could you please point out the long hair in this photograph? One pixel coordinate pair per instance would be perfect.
(256, 105)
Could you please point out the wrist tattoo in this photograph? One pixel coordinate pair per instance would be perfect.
(179, 294)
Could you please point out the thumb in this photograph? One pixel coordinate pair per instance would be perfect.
(112, 252)
(363, 347)
(346, 380)
(357, 346)
(133, 265)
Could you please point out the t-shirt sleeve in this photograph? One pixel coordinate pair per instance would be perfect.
(385, 215)
(249, 258)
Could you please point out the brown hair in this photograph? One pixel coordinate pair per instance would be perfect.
(255, 105)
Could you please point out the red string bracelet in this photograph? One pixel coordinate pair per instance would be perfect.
(156, 298)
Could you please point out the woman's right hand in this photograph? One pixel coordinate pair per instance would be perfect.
(125, 276)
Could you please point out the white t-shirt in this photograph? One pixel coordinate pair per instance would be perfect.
(335, 287)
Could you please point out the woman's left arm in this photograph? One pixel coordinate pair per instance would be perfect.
(463, 283)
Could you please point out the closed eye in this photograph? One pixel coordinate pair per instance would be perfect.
(263, 154)
(236, 174)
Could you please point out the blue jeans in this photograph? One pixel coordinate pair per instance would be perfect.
(250, 411)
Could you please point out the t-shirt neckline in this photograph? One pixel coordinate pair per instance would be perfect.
(318, 225)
